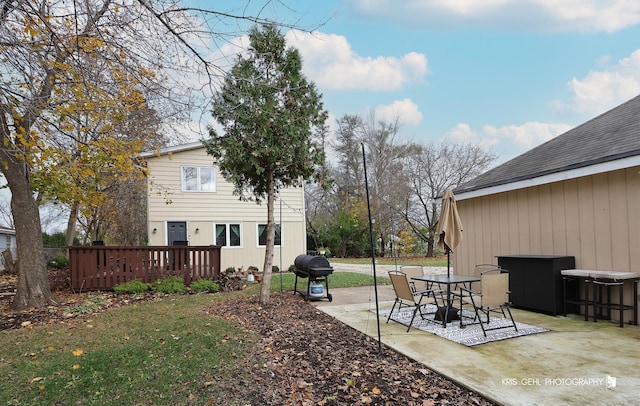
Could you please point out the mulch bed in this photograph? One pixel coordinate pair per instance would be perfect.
(307, 357)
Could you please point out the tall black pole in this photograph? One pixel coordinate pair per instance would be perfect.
(373, 251)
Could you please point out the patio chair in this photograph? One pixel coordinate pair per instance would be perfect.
(406, 296)
(493, 298)
(415, 270)
(417, 286)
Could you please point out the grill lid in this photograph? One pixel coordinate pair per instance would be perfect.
(309, 265)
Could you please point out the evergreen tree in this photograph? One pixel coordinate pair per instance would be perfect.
(270, 114)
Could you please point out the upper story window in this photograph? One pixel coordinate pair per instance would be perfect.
(198, 179)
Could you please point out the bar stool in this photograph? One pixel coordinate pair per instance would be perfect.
(608, 280)
(579, 276)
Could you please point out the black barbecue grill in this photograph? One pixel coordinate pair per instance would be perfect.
(317, 270)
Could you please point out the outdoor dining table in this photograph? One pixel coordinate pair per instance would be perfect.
(447, 280)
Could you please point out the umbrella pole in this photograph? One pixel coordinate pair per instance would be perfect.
(448, 262)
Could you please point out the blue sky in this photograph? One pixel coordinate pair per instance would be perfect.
(508, 74)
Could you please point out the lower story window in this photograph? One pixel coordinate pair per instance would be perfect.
(262, 235)
(228, 235)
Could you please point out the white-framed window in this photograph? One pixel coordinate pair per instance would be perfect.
(228, 235)
(262, 235)
(198, 179)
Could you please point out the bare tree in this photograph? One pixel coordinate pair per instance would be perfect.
(388, 182)
(431, 170)
(385, 153)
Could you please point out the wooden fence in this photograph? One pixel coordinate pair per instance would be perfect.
(103, 267)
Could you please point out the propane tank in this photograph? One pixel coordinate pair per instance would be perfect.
(316, 289)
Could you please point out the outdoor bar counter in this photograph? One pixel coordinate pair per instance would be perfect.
(599, 282)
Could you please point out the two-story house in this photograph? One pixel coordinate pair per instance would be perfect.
(189, 202)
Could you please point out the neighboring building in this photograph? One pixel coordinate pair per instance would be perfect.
(577, 195)
(7, 240)
(189, 202)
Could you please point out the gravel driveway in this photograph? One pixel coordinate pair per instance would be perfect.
(381, 270)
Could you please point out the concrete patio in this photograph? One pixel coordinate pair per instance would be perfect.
(576, 363)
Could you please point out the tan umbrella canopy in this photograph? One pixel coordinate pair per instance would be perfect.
(449, 226)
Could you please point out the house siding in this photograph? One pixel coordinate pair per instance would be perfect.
(595, 218)
(201, 210)
(7, 241)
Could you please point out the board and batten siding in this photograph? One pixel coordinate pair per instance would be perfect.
(201, 210)
(594, 218)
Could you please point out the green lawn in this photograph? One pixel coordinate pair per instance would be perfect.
(336, 280)
(158, 352)
(165, 352)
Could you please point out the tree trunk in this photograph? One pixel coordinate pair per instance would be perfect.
(265, 291)
(71, 224)
(33, 290)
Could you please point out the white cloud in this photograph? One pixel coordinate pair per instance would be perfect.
(507, 141)
(602, 90)
(330, 62)
(462, 133)
(406, 111)
(529, 134)
(539, 15)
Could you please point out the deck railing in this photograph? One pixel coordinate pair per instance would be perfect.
(103, 267)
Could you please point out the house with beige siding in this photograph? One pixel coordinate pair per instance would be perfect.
(189, 202)
(575, 195)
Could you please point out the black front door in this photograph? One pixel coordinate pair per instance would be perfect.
(177, 231)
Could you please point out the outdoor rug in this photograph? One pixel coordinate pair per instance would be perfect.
(470, 335)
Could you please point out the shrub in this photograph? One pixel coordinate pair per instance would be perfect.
(59, 279)
(169, 284)
(253, 268)
(135, 286)
(275, 269)
(59, 261)
(90, 304)
(292, 268)
(204, 285)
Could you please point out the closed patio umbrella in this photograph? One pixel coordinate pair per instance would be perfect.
(449, 226)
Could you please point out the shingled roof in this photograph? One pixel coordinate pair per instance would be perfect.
(611, 136)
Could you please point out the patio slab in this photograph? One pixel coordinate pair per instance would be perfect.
(577, 362)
